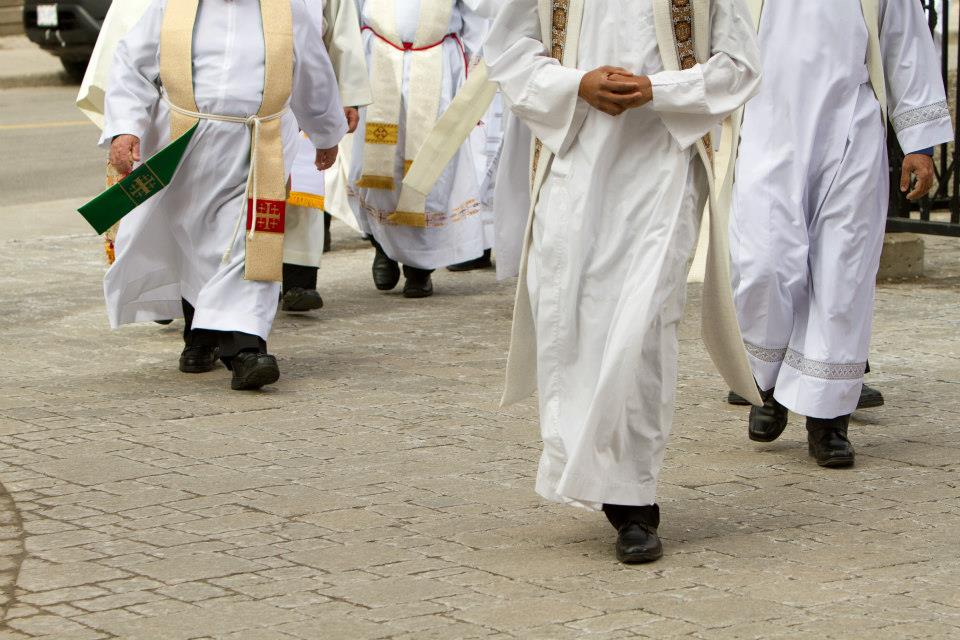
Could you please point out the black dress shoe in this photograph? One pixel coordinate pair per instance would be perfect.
(386, 272)
(736, 399)
(297, 299)
(637, 539)
(199, 359)
(419, 283)
(164, 322)
(483, 262)
(828, 443)
(253, 370)
(870, 398)
(769, 421)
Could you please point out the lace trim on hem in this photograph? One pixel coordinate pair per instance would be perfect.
(765, 354)
(921, 115)
(824, 370)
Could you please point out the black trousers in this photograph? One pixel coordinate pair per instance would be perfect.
(230, 342)
(296, 275)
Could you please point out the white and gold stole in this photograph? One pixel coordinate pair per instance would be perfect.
(388, 56)
(267, 184)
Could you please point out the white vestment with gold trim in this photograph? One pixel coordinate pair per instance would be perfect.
(451, 230)
(172, 246)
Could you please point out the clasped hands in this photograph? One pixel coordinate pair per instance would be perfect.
(613, 90)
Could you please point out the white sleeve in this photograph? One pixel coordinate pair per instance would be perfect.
(917, 102)
(539, 90)
(694, 101)
(133, 90)
(345, 47)
(315, 100)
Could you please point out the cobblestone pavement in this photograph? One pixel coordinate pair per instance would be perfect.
(378, 491)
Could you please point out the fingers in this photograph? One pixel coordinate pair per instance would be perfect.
(614, 86)
(919, 167)
(326, 158)
(136, 151)
(353, 118)
(922, 187)
(905, 174)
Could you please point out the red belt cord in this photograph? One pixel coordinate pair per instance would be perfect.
(408, 46)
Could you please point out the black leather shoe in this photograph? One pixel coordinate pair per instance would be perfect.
(483, 262)
(769, 421)
(637, 539)
(386, 272)
(419, 283)
(253, 370)
(828, 443)
(298, 299)
(870, 398)
(199, 359)
(736, 399)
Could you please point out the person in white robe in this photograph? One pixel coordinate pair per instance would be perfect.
(179, 254)
(487, 143)
(613, 230)
(308, 225)
(811, 199)
(418, 53)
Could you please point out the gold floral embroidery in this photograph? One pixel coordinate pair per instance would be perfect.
(558, 40)
(681, 14)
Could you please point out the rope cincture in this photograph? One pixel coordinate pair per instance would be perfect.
(253, 123)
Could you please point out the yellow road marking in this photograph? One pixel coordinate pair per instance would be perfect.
(45, 125)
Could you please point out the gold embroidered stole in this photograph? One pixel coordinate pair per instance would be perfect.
(267, 186)
(424, 59)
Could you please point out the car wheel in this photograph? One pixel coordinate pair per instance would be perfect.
(75, 68)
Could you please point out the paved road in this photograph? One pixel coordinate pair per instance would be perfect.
(379, 492)
(48, 148)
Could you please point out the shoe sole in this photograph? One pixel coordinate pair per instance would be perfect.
(416, 295)
(640, 558)
(300, 308)
(757, 438)
(839, 462)
(256, 379)
(189, 369)
(386, 287)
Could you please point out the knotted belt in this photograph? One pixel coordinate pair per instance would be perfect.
(266, 188)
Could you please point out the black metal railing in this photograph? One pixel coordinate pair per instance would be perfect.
(940, 213)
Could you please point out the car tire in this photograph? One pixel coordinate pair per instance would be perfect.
(75, 68)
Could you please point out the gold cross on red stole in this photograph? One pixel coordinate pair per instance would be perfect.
(271, 215)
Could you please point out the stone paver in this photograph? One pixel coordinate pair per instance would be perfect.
(379, 492)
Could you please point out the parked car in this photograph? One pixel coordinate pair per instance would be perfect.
(67, 29)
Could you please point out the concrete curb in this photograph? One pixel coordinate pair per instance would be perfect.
(50, 79)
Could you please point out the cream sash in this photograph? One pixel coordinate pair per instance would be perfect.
(388, 56)
(266, 182)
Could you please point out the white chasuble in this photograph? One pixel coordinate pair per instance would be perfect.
(613, 228)
(811, 195)
(417, 52)
(173, 246)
